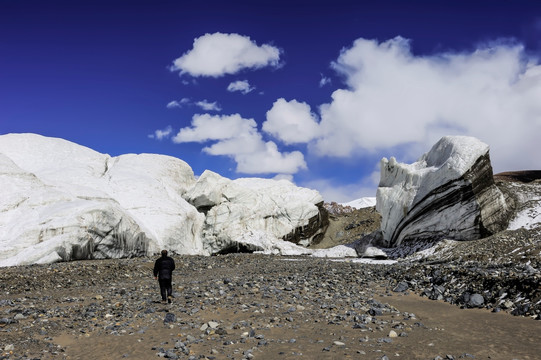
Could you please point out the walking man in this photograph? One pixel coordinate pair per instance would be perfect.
(163, 272)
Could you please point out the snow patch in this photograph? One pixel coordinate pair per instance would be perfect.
(361, 203)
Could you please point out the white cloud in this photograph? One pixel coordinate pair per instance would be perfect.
(208, 106)
(173, 104)
(241, 85)
(161, 134)
(239, 139)
(287, 177)
(395, 98)
(207, 127)
(324, 81)
(203, 104)
(269, 160)
(291, 121)
(219, 54)
(177, 104)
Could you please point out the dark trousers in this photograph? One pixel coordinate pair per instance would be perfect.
(165, 288)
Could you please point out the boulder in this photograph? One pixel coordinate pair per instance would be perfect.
(364, 247)
(448, 193)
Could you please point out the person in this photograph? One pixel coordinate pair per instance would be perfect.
(163, 272)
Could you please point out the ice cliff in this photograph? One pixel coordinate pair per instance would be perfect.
(60, 201)
(448, 193)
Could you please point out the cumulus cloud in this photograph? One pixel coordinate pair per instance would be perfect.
(218, 54)
(291, 121)
(239, 139)
(208, 106)
(395, 99)
(242, 86)
(161, 134)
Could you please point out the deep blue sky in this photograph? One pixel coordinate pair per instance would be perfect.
(98, 73)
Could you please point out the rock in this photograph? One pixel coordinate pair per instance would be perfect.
(401, 287)
(436, 293)
(7, 321)
(448, 193)
(171, 355)
(507, 304)
(521, 310)
(476, 300)
(169, 318)
(374, 311)
(213, 324)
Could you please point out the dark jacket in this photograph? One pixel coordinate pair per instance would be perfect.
(163, 267)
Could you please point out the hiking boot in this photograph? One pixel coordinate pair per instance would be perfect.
(170, 299)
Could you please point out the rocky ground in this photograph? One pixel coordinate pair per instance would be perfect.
(244, 306)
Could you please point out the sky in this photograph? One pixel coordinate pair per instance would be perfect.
(316, 92)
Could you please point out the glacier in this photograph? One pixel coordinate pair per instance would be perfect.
(60, 201)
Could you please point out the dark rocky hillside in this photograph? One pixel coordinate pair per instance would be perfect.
(347, 224)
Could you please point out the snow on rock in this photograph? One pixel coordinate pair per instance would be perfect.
(528, 206)
(448, 193)
(239, 211)
(61, 201)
